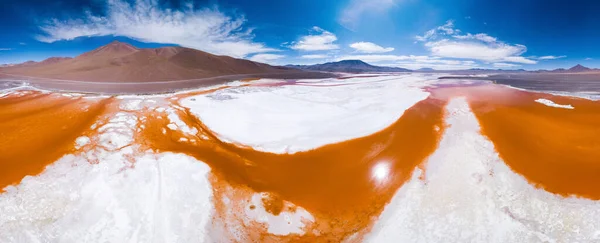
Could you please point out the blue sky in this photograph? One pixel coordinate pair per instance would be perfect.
(441, 34)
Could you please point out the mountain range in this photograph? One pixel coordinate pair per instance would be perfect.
(358, 66)
(348, 66)
(122, 62)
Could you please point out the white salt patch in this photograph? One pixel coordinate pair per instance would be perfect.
(552, 104)
(131, 104)
(163, 198)
(100, 196)
(289, 119)
(81, 141)
(118, 132)
(177, 123)
(471, 195)
(283, 224)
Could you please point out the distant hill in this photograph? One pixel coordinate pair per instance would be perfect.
(123, 62)
(575, 69)
(579, 68)
(348, 66)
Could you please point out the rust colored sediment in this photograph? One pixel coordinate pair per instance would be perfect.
(38, 128)
(555, 149)
(335, 183)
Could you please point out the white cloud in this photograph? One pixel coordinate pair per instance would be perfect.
(550, 57)
(462, 65)
(446, 29)
(350, 16)
(446, 41)
(428, 35)
(382, 58)
(481, 36)
(5, 49)
(145, 20)
(489, 52)
(589, 58)
(266, 57)
(22, 43)
(369, 47)
(314, 56)
(320, 41)
(505, 65)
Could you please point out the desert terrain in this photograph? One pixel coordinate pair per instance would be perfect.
(120, 68)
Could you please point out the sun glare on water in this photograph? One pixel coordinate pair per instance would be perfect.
(381, 171)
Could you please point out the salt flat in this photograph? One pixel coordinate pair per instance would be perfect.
(112, 186)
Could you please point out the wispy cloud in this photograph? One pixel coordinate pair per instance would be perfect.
(446, 29)
(369, 47)
(448, 42)
(5, 49)
(550, 57)
(266, 57)
(589, 58)
(481, 36)
(449, 65)
(206, 29)
(319, 40)
(505, 65)
(350, 16)
(314, 56)
(383, 58)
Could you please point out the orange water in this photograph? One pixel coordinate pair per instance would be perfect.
(36, 129)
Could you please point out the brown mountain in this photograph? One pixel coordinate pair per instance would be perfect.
(122, 62)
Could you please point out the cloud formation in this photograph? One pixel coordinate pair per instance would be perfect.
(314, 56)
(448, 42)
(351, 14)
(369, 47)
(481, 36)
(489, 52)
(320, 40)
(505, 65)
(206, 29)
(266, 57)
(446, 29)
(5, 49)
(550, 57)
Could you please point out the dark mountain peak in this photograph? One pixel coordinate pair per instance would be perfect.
(579, 68)
(352, 62)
